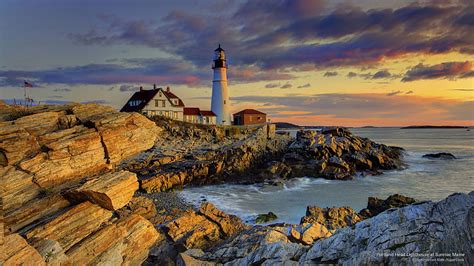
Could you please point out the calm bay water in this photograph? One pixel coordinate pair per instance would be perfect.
(424, 179)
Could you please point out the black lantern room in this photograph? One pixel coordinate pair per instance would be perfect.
(219, 58)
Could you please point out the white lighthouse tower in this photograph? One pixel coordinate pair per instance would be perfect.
(220, 103)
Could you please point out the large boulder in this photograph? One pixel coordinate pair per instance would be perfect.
(67, 157)
(72, 226)
(204, 228)
(111, 191)
(126, 134)
(428, 229)
(34, 211)
(16, 144)
(16, 251)
(40, 123)
(440, 155)
(125, 242)
(17, 188)
(376, 205)
(332, 218)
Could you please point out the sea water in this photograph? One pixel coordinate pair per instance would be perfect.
(424, 179)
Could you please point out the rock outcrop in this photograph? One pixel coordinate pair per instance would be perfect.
(204, 228)
(111, 191)
(441, 155)
(332, 218)
(443, 227)
(335, 153)
(16, 251)
(376, 205)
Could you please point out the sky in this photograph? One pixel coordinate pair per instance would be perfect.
(309, 62)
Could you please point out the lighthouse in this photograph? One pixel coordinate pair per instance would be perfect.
(220, 104)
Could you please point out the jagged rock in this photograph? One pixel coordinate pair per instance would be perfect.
(139, 205)
(40, 123)
(52, 252)
(34, 211)
(67, 121)
(228, 224)
(185, 260)
(333, 218)
(16, 251)
(253, 244)
(441, 155)
(125, 242)
(335, 153)
(72, 226)
(126, 134)
(87, 112)
(265, 218)
(193, 231)
(376, 206)
(444, 227)
(16, 144)
(141, 236)
(17, 188)
(68, 157)
(111, 191)
(204, 228)
(307, 233)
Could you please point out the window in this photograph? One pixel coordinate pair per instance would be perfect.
(167, 113)
(259, 118)
(163, 103)
(250, 118)
(157, 103)
(175, 115)
(159, 94)
(225, 102)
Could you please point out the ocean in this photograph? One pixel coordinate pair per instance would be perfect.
(424, 179)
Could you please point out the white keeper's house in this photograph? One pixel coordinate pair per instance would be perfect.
(160, 102)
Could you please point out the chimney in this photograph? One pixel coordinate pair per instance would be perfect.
(141, 88)
(167, 88)
(154, 86)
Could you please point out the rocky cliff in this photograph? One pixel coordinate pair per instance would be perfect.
(60, 190)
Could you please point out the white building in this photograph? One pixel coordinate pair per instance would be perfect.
(155, 102)
(220, 103)
(159, 102)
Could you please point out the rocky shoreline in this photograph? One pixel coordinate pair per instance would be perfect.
(84, 184)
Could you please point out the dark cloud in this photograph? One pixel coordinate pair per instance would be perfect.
(393, 93)
(351, 74)
(448, 70)
(286, 86)
(288, 34)
(382, 74)
(307, 85)
(463, 89)
(62, 90)
(409, 92)
(272, 85)
(330, 74)
(126, 88)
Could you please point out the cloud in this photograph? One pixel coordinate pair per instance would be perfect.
(447, 70)
(296, 35)
(376, 107)
(286, 86)
(307, 85)
(351, 74)
(126, 88)
(382, 74)
(393, 93)
(330, 74)
(272, 85)
(409, 92)
(62, 90)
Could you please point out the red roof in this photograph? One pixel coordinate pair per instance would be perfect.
(196, 111)
(249, 112)
(171, 95)
(207, 113)
(191, 111)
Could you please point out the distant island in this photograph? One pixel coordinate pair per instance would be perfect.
(413, 127)
(285, 125)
